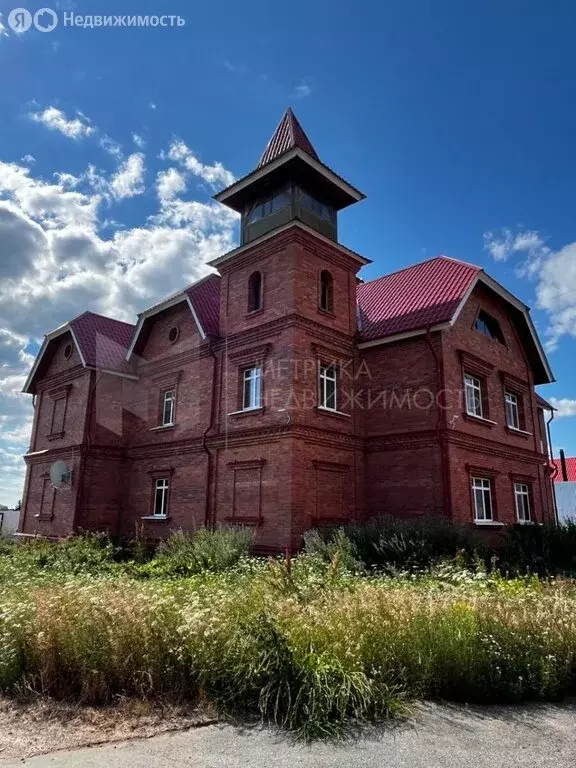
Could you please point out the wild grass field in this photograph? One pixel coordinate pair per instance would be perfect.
(315, 643)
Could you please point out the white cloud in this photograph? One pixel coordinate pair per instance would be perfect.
(112, 147)
(554, 273)
(28, 159)
(77, 128)
(151, 105)
(303, 89)
(216, 175)
(61, 256)
(138, 141)
(564, 406)
(128, 181)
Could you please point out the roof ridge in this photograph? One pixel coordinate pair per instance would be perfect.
(98, 314)
(419, 264)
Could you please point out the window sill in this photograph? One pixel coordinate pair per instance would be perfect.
(162, 426)
(479, 419)
(55, 435)
(519, 432)
(328, 312)
(155, 518)
(332, 412)
(255, 312)
(489, 523)
(247, 411)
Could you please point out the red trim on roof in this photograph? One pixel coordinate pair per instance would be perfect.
(414, 298)
(205, 298)
(288, 135)
(103, 341)
(570, 470)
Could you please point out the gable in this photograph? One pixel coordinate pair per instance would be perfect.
(61, 355)
(155, 340)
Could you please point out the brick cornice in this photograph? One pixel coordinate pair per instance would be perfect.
(61, 379)
(473, 364)
(513, 383)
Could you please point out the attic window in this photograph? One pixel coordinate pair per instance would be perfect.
(489, 326)
(173, 334)
(68, 351)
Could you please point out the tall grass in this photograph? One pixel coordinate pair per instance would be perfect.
(305, 643)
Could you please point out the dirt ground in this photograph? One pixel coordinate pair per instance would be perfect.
(38, 725)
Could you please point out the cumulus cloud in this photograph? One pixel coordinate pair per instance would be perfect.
(564, 407)
(554, 274)
(128, 181)
(63, 251)
(216, 175)
(75, 128)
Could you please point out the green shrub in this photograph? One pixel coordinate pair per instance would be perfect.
(544, 549)
(185, 554)
(393, 545)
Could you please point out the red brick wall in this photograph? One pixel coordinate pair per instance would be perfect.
(288, 466)
(491, 445)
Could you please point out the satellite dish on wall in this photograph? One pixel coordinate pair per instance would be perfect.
(60, 475)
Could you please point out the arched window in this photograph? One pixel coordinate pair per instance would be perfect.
(255, 292)
(326, 291)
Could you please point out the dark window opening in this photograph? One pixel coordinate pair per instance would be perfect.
(326, 291)
(489, 326)
(68, 351)
(173, 334)
(321, 210)
(255, 292)
(270, 206)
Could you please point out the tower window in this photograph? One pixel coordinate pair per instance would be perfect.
(255, 292)
(267, 207)
(321, 210)
(252, 388)
(489, 326)
(326, 291)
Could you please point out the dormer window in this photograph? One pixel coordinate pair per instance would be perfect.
(255, 292)
(326, 291)
(489, 326)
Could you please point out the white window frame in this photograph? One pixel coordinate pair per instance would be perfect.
(162, 487)
(252, 388)
(484, 486)
(522, 502)
(473, 389)
(328, 381)
(512, 404)
(168, 403)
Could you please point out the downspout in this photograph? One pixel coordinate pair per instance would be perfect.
(554, 473)
(207, 521)
(439, 425)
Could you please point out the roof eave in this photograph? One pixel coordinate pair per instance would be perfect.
(294, 223)
(226, 195)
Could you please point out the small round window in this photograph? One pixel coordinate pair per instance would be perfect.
(68, 351)
(173, 334)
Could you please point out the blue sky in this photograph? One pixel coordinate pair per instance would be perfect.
(456, 120)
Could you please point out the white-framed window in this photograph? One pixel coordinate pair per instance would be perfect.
(328, 387)
(482, 498)
(473, 390)
(252, 388)
(512, 410)
(161, 497)
(168, 403)
(522, 497)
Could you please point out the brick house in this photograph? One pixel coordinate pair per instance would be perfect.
(283, 392)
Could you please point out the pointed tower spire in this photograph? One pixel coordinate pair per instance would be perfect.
(288, 135)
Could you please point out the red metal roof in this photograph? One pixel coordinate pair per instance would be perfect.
(288, 135)
(205, 298)
(570, 469)
(413, 298)
(103, 342)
